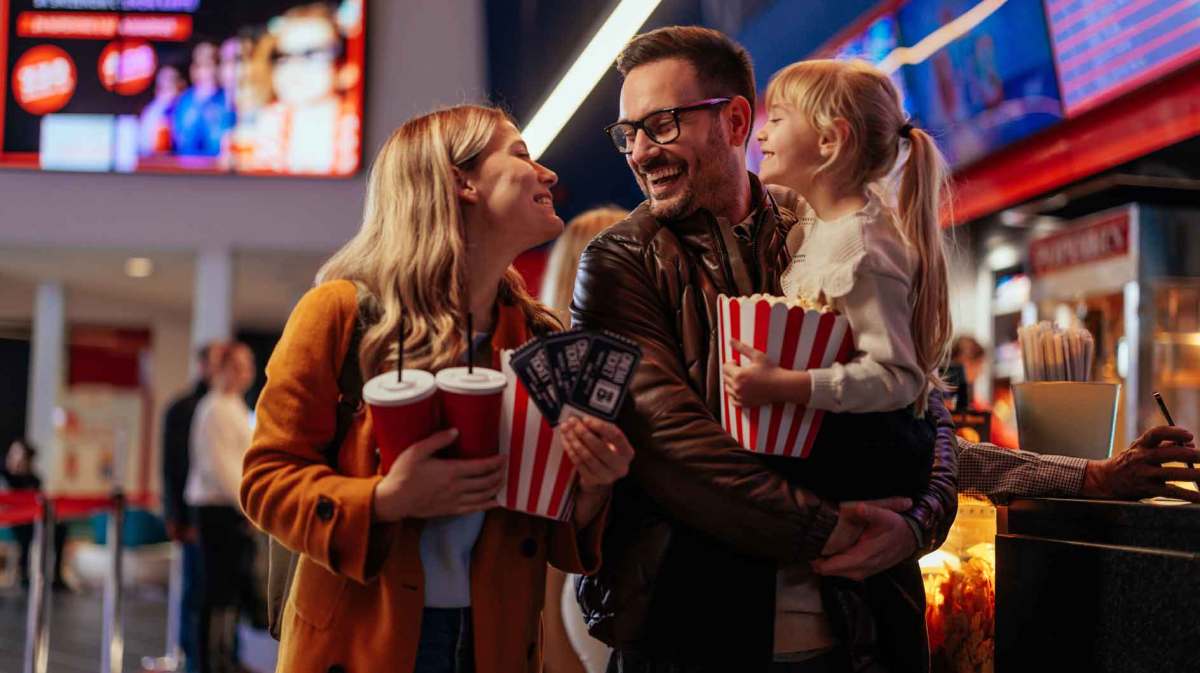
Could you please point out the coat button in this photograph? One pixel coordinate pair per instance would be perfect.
(528, 547)
(324, 508)
(337, 668)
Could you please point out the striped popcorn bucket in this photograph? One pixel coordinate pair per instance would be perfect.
(794, 338)
(540, 478)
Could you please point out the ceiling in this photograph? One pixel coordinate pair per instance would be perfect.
(266, 284)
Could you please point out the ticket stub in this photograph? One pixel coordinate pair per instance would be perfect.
(566, 351)
(607, 370)
(532, 366)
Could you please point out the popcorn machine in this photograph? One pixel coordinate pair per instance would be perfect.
(1131, 276)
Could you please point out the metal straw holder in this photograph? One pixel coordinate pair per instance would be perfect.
(1068, 418)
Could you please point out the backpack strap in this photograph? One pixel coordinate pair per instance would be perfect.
(281, 561)
(350, 382)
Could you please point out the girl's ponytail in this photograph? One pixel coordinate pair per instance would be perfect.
(923, 186)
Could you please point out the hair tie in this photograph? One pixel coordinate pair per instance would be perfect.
(906, 131)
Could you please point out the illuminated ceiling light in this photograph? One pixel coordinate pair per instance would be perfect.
(139, 267)
(941, 37)
(596, 58)
(1003, 256)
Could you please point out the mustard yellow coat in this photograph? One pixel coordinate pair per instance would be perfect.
(358, 594)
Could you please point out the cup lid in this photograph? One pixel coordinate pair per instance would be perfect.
(481, 381)
(384, 390)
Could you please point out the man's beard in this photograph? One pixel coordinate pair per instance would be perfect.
(708, 182)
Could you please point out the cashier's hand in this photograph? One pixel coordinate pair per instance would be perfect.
(420, 485)
(1139, 472)
(870, 537)
(599, 450)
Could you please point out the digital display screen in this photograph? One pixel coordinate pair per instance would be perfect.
(982, 87)
(873, 45)
(1104, 48)
(266, 87)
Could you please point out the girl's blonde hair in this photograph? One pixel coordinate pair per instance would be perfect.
(564, 258)
(826, 90)
(410, 252)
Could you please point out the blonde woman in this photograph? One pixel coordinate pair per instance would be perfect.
(414, 571)
(564, 256)
(569, 648)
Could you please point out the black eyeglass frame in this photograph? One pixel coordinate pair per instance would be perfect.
(673, 111)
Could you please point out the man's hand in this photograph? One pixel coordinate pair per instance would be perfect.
(886, 539)
(1139, 473)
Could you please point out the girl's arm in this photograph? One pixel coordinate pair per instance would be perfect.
(884, 375)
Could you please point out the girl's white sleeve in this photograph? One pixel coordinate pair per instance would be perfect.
(865, 267)
(884, 374)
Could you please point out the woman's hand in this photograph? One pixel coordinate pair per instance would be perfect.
(421, 486)
(602, 455)
(758, 381)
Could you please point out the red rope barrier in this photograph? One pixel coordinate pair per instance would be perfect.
(21, 507)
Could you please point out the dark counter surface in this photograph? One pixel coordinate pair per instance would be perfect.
(1097, 586)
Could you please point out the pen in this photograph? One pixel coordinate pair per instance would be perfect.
(1162, 406)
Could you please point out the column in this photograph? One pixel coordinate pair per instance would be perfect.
(48, 357)
(212, 301)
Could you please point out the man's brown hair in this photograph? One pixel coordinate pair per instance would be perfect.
(723, 66)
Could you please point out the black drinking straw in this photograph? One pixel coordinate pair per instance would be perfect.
(400, 348)
(470, 343)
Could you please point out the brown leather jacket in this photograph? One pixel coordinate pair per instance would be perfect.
(696, 535)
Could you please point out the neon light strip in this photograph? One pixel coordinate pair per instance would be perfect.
(587, 70)
(941, 37)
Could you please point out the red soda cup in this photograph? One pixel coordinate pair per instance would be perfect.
(403, 412)
(471, 401)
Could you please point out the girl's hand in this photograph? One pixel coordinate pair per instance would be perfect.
(599, 450)
(419, 485)
(756, 381)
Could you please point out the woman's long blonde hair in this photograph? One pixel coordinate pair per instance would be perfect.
(866, 98)
(559, 280)
(410, 251)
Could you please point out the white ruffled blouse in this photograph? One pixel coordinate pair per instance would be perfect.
(862, 265)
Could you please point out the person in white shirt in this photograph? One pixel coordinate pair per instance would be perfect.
(221, 434)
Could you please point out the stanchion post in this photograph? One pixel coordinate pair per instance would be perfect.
(112, 652)
(37, 614)
(172, 660)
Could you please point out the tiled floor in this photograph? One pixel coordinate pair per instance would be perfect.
(76, 628)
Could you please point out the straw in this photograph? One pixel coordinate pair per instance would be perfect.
(1052, 354)
(400, 348)
(470, 343)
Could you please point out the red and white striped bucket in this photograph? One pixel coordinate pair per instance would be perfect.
(794, 338)
(540, 478)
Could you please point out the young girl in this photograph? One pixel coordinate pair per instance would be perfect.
(416, 570)
(835, 133)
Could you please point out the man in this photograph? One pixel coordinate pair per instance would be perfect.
(177, 428)
(1000, 474)
(707, 555)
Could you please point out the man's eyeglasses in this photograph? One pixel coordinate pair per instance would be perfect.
(660, 126)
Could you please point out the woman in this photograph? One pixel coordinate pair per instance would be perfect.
(564, 256)
(569, 648)
(219, 437)
(16, 474)
(406, 571)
